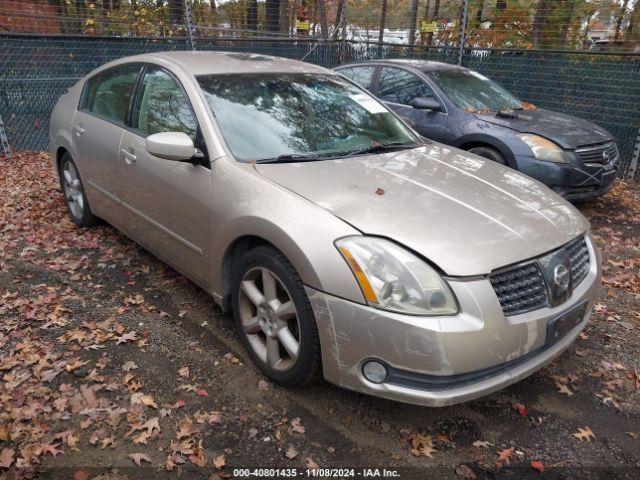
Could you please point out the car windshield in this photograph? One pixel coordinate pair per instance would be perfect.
(291, 116)
(473, 92)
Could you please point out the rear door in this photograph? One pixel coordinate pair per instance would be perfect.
(397, 87)
(97, 130)
(167, 201)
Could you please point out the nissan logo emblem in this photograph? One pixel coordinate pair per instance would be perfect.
(605, 156)
(561, 277)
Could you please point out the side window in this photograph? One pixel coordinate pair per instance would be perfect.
(162, 106)
(399, 86)
(108, 94)
(361, 75)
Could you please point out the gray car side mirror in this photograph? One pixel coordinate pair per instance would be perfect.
(176, 146)
(426, 103)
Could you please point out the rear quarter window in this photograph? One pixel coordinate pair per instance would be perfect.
(108, 94)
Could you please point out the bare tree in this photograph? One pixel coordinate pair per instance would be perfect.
(383, 21)
(436, 13)
(540, 20)
(336, 24)
(176, 12)
(252, 15)
(413, 20)
(272, 15)
(322, 13)
(623, 12)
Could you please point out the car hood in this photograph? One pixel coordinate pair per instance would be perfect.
(567, 131)
(466, 214)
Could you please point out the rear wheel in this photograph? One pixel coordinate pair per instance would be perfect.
(274, 317)
(74, 195)
(490, 153)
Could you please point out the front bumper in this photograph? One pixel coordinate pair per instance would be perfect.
(575, 181)
(440, 361)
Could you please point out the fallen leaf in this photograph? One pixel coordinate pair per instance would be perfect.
(505, 455)
(139, 457)
(311, 465)
(522, 410)
(482, 444)
(291, 452)
(584, 434)
(184, 372)
(562, 388)
(219, 461)
(465, 472)
(296, 426)
(538, 465)
(6, 457)
(380, 191)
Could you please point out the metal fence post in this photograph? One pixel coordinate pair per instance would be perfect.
(191, 28)
(463, 28)
(4, 141)
(633, 173)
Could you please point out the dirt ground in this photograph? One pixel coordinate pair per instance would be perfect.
(109, 358)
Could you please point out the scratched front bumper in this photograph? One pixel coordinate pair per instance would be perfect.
(481, 346)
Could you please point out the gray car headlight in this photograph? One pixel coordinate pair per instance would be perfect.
(544, 149)
(394, 279)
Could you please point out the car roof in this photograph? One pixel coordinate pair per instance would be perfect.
(213, 62)
(422, 65)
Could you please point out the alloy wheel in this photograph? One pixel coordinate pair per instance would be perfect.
(269, 319)
(73, 189)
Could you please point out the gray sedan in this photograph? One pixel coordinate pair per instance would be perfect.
(344, 244)
(462, 108)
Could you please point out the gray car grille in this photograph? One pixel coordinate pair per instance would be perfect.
(579, 254)
(523, 288)
(604, 153)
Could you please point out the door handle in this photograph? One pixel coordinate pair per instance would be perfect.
(129, 157)
(78, 130)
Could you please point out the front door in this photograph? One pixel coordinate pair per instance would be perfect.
(397, 87)
(168, 201)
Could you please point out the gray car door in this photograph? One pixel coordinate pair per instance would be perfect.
(397, 87)
(97, 130)
(168, 202)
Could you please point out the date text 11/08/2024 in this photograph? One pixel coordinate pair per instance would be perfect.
(315, 472)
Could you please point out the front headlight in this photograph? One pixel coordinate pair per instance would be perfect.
(544, 149)
(394, 279)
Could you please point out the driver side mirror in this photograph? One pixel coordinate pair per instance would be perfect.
(176, 146)
(426, 103)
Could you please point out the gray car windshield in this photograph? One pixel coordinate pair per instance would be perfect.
(298, 117)
(473, 92)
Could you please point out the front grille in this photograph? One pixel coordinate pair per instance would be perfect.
(520, 289)
(579, 259)
(596, 153)
(523, 288)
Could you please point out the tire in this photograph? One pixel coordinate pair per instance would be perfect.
(74, 194)
(490, 153)
(259, 324)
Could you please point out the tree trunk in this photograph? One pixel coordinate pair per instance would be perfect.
(324, 26)
(272, 15)
(566, 22)
(336, 24)
(436, 12)
(214, 7)
(413, 19)
(540, 20)
(479, 12)
(176, 12)
(623, 12)
(383, 21)
(252, 15)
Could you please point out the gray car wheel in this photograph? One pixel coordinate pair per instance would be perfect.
(75, 197)
(490, 153)
(274, 317)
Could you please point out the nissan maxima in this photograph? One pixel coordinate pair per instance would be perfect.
(346, 245)
(460, 107)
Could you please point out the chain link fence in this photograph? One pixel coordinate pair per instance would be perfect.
(603, 88)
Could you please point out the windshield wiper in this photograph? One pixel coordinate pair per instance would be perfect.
(381, 147)
(291, 158)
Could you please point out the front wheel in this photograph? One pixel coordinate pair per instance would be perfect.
(74, 195)
(274, 317)
(490, 153)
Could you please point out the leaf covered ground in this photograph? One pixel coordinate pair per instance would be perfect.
(114, 366)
